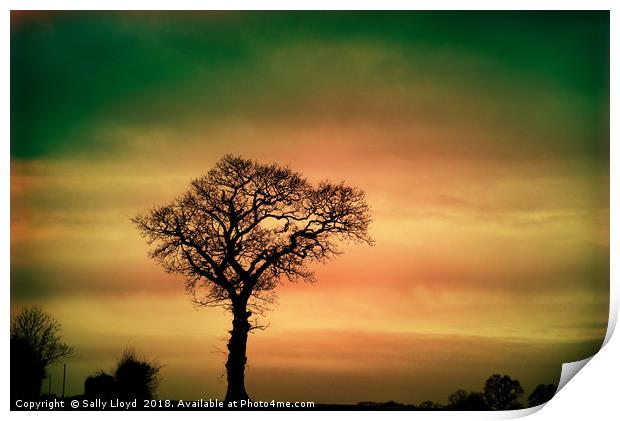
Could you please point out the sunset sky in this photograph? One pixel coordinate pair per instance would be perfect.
(481, 140)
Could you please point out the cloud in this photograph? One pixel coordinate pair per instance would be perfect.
(174, 71)
(92, 281)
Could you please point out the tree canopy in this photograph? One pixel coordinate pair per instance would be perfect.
(502, 392)
(40, 332)
(244, 226)
(543, 393)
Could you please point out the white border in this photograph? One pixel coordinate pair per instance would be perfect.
(589, 395)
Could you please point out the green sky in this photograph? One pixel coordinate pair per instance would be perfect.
(74, 73)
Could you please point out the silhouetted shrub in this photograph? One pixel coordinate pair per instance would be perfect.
(101, 386)
(136, 378)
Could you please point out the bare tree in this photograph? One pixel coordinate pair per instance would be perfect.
(41, 332)
(244, 227)
(35, 343)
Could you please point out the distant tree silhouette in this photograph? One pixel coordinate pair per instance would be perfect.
(136, 378)
(391, 404)
(241, 229)
(426, 405)
(459, 396)
(467, 401)
(543, 393)
(101, 385)
(502, 392)
(35, 343)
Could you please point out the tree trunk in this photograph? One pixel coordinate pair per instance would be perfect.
(235, 366)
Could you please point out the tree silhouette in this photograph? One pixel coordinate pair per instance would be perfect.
(502, 392)
(241, 229)
(463, 400)
(428, 405)
(35, 343)
(543, 393)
